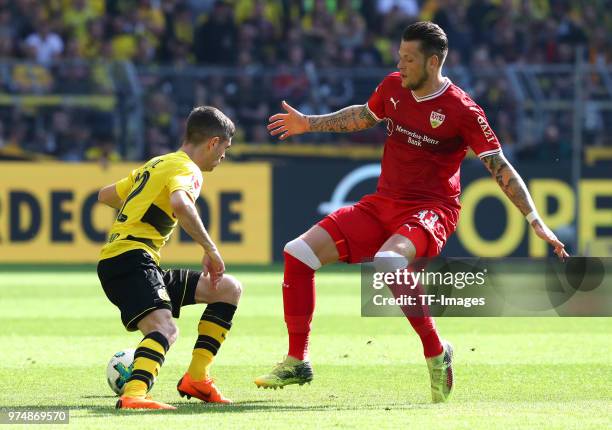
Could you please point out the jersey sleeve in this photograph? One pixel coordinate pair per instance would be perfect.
(187, 180)
(477, 132)
(123, 186)
(376, 103)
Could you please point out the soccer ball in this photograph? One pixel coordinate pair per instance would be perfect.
(119, 370)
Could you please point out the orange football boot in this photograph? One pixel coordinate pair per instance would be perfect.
(125, 402)
(205, 390)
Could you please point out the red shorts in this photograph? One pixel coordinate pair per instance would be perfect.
(360, 230)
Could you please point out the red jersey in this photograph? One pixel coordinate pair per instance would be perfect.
(428, 137)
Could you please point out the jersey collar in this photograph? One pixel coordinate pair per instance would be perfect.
(183, 154)
(439, 92)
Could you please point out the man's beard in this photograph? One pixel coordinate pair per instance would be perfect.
(419, 84)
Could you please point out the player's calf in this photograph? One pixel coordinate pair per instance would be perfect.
(148, 359)
(160, 332)
(160, 321)
(213, 328)
(303, 256)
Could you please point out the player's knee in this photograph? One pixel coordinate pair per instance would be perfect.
(389, 261)
(300, 250)
(231, 289)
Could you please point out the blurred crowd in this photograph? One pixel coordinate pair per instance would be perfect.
(316, 54)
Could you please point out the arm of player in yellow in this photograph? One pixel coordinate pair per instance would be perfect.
(185, 211)
(189, 219)
(108, 195)
(113, 195)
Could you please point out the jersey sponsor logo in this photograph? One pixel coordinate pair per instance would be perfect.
(436, 119)
(395, 102)
(415, 138)
(411, 138)
(486, 128)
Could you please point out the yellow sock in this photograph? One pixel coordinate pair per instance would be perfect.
(212, 331)
(201, 360)
(148, 359)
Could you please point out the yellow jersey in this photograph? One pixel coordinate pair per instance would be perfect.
(145, 221)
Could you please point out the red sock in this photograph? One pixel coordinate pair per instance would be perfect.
(299, 303)
(421, 322)
(418, 315)
(426, 329)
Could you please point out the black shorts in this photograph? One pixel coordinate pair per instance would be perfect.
(134, 283)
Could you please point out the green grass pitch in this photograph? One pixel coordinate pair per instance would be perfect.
(59, 331)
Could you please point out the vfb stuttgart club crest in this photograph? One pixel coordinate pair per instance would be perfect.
(436, 119)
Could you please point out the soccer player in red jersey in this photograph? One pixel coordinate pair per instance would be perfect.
(431, 123)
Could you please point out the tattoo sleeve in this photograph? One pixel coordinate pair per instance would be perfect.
(510, 182)
(352, 118)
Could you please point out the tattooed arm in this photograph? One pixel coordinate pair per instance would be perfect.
(352, 118)
(513, 186)
(510, 182)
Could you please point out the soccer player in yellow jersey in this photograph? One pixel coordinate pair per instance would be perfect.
(151, 200)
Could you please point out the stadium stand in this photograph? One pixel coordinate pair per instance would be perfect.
(123, 73)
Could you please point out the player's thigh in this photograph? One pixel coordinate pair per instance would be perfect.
(181, 285)
(400, 245)
(408, 242)
(426, 229)
(355, 234)
(133, 282)
(322, 244)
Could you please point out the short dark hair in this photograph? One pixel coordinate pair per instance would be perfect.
(432, 37)
(205, 122)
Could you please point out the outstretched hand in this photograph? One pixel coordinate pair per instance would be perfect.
(288, 124)
(543, 232)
